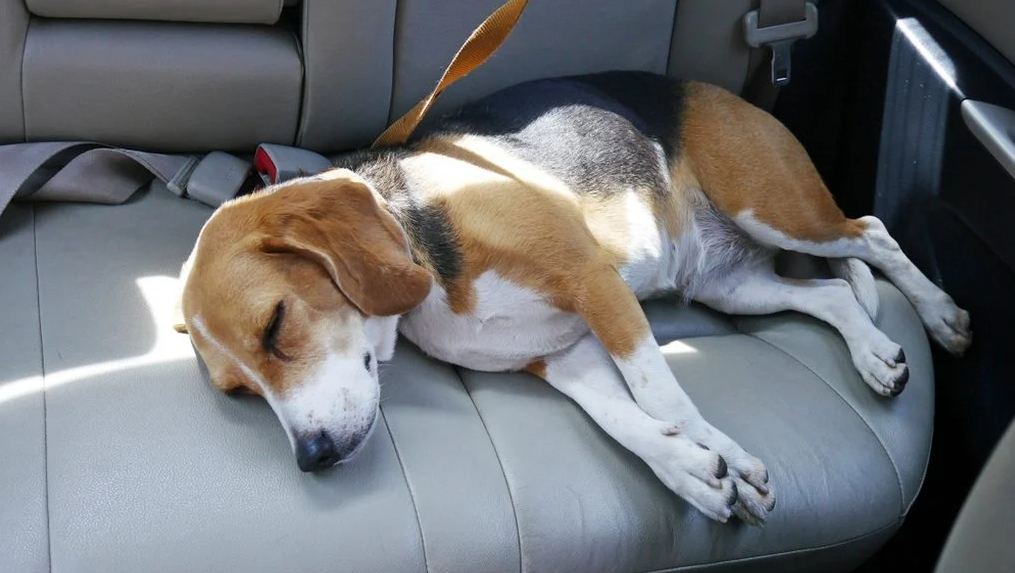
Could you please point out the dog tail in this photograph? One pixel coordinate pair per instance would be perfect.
(860, 278)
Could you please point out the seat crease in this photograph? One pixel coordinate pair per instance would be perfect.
(866, 423)
(500, 461)
(408, 486)
(42, 371)
(716, 564)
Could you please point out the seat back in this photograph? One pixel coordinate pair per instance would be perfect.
(186, 76)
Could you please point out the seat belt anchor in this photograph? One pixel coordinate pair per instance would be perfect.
(276, 163)
(780, 38)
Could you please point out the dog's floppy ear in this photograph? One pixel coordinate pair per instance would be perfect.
(339, 224)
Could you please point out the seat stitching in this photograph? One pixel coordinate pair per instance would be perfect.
(895, 468)
(717, 564)
(394, 63)
(21, 81)
(507, 483)
(42, 370)
(305, 78)
(673, 34)
(408, 485)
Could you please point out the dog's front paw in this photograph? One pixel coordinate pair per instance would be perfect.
(698, 475)
(756, 496)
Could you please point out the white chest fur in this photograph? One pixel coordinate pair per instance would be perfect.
(509, 327)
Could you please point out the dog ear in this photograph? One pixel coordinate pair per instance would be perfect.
(179, 324)
(340, 225)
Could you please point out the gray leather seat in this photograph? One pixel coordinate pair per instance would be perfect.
(981, 538)
(191, 76)
(119, 456)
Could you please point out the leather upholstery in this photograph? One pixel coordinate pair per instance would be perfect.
(222, 11)
(147, 467)
(231, 87)
(981, 538)
(348, 56)
(354, 64)
(119, 456)
(426, 39)
(23, 518)
(716, 52)
(990, 19)
(13, 27)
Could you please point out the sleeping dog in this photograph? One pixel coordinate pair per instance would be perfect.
(520, 233)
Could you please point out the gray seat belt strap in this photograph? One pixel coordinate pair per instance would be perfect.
(775, 12)
(94, 173)
(776, 25)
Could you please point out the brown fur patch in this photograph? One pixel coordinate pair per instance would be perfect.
(537, 368)
(746, 160)
(530, 229)
(612, 311)
(673, 210)
(339, 224)
(235, 297)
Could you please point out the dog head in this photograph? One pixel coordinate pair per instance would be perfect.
(293, 293)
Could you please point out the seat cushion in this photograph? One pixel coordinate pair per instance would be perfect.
(221, 11)
(22, 408)
(13, 27)
(143, 466)
(161, 86)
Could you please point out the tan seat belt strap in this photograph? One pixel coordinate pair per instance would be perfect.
(480, 45)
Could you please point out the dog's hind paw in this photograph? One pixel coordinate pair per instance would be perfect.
(752, 506)
(882, 364)
(949, 327)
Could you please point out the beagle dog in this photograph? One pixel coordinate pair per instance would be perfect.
(519, 233)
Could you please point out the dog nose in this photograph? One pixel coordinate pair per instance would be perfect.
(316, 452)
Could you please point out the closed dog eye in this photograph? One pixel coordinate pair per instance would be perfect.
(270, 338)
(366, 361)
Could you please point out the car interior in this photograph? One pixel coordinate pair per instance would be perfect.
(116, 454)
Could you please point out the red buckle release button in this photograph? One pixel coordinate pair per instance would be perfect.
(265, 166)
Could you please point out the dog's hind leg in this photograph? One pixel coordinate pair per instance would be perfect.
(867, 239)
(587, 374)
(613, 313)
(756, 172)
(758, 290)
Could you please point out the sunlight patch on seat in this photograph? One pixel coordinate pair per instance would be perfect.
(170, 346)
(678, 347)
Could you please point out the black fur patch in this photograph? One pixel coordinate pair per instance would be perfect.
(430, 231)
(431, 236)
(598, 133)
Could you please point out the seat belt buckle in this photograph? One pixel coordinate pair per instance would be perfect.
(219, 177)
(780, 38)
(279, 163)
